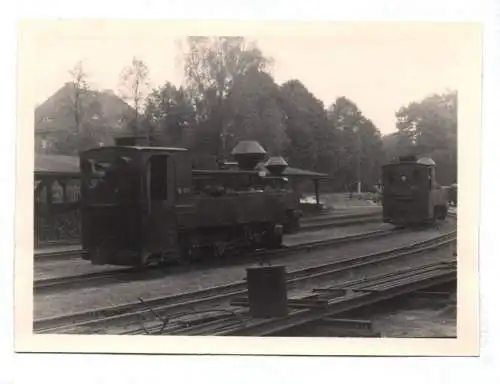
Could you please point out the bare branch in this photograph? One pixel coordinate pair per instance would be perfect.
(135, 83)
(80, 86)
(135, 80)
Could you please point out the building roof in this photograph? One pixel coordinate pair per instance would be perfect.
(57, 163)
(55, 113)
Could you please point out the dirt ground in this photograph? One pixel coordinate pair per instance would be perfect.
(424, 322)
(418, 317)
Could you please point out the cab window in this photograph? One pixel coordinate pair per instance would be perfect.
(107, 178)
(158, 177)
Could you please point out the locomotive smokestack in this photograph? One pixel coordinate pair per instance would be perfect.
(248, 154)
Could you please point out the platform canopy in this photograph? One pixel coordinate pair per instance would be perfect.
(56, 164)
(296, 172)
(70, 166)
(301, 174)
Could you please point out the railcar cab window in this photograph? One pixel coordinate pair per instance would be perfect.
(106, 180)
(404, 177)
(430, 178)
(389, 177)
(417, 176)
(158, 177)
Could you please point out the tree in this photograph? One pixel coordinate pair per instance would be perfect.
(254, 112)
(396, 144)
(344, 115)
(430, 123)
(211, 65)
(372, 155)
(311, 135)
(429, 127)
(170, 115)
(359, 144)
(91, 128)
(302, 150)
(135, 84)
(79, 87)
(80, 113)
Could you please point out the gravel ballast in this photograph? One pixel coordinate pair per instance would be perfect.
(91, 298)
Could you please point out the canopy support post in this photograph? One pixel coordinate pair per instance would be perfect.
(316, 191)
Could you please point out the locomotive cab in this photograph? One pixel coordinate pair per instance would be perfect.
(128, 192)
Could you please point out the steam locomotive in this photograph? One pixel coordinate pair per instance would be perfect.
(145, 205)
(411, 195)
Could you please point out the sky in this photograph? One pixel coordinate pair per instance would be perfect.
(381, 67)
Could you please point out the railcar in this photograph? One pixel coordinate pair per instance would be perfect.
(144, 205)
(411, 195)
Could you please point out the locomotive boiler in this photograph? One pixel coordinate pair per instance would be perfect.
(411, 195)
(144, 205)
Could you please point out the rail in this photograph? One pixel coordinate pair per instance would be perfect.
(171, 306)
(116, 275)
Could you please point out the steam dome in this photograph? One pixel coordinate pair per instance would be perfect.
(248, 154)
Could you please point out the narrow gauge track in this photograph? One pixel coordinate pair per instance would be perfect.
(69, 252)
(312, 223)
(172, 306)
(119, 275)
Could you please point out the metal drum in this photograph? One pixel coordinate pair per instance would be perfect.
(267, 296)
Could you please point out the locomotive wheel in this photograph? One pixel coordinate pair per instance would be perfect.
(218, 251)
(274, 237)
(186, 251)
(292, 223)
(277, 241)
(445, 212)
(440, 213)
(151, 259)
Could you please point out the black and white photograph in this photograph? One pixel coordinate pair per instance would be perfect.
(283, 181)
